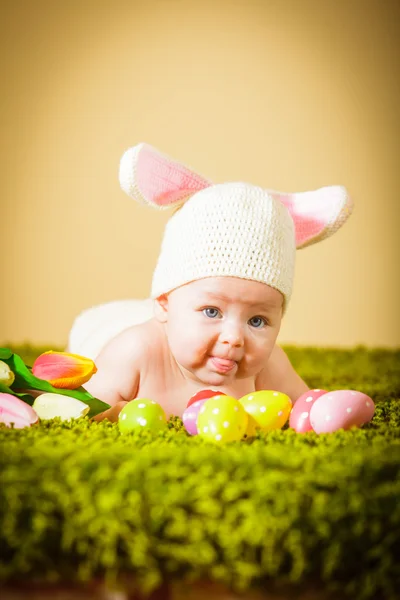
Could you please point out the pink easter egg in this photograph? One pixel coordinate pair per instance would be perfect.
(190, 415)
(299, 419)
(341, 409)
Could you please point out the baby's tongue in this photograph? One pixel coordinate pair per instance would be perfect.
(224, 362)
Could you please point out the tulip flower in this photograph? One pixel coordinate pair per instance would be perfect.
(14, 410)
(63, 370)
(48, 406)
(26, 385)
(6, 375)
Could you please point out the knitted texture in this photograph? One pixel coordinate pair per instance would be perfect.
(230, 229)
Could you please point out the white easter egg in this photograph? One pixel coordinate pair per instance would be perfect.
(341, 409)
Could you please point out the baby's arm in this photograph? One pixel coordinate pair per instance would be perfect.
(278, 374)
(118, 372)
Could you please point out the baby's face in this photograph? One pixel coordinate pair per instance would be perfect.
(222, 328)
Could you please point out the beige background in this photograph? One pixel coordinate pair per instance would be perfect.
(285, 94)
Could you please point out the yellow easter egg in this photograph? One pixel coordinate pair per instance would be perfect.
(222, 419)
(267, 410)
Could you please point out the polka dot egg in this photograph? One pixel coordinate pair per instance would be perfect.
(142, 413)
(299, 419)
(267, 410)
(341, 409)
(190, 415)
(222, 419)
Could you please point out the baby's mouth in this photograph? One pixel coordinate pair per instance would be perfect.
(223, 365)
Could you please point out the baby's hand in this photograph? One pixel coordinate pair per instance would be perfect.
(111, 413)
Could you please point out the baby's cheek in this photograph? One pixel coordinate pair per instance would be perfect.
(249, 367)
(256, 359)
(183, 344)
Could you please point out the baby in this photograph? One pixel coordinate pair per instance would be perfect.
(220, 289)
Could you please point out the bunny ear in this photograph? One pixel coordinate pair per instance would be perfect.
(152, 178)
(317, 214)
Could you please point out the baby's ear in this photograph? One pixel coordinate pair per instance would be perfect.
(317, 214)
(161, 308)
(152, 178)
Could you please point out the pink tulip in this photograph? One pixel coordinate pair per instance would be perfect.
(14, 410)
(63, 370)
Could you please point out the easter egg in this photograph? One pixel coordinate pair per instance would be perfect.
(299, 419)
(341, 409)
(222, 419)
(190, 415)
(267, 410)
(142, 413)
(204, 395)
(51, 405)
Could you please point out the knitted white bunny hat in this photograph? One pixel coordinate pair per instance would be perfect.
(229, 229)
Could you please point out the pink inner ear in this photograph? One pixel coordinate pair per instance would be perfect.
(317, 212)
(307, 226)
(162, 181)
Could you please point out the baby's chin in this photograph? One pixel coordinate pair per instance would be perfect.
(205, 377)
(209, 378)
(216, 380)
(207, 374)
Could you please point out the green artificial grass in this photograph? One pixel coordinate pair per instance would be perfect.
(81, 501)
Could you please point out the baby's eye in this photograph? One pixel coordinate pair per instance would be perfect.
(211, 313)
(257, 322)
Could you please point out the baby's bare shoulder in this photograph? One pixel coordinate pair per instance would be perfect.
(133, 347)
(121, 362)
(278, 374)
(136, 339)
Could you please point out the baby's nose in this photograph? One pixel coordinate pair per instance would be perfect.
(232, 334)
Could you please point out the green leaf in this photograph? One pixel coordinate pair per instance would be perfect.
(22, 396)
(24, 379)
(5, 353)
